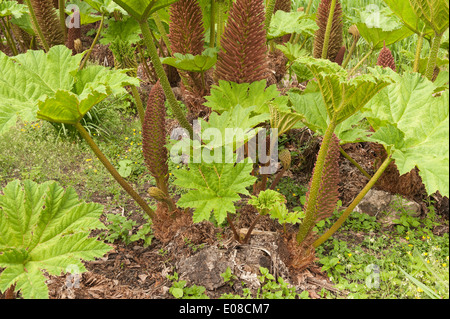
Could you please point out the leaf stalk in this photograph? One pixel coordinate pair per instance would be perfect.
(353, 204)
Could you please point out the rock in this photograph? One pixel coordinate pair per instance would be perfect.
(205, 267)
(377, 201)
(399, 204)
(374, 202)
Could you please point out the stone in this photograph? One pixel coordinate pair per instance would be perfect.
(377, 201)
(374, 202)
(205, 267)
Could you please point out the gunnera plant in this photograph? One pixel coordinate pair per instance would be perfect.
(187, 37)
(186, 27)
(283, 5)
(340, 56)
(124, 56)
(328, 193)
(154, 137)
(333, 42)
(48, 21)
(386, 59)
(243, 55)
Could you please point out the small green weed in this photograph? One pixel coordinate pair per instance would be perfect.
(180, 291)
(375, 266)
(192, 246)
(121, 228)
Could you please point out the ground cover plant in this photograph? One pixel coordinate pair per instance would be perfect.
(193, 125)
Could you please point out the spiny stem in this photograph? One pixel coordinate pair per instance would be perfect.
(114, 172)
(355, 202)
(62, 17)
(310, 214)
(418, 50)
(160, 48)
(308, 8)
(163, 78)
(139, 105)
(7, 33)
(144, 62)
(212, 24)
(362, 170)
(220, 21)
(86, 58)
(277, 178)
(433, 56)
(269, 12)
(250, 229)
(233, 229)
(360, 62)
(162, 31)
(37, 27)
(328, 30)
(350, 53)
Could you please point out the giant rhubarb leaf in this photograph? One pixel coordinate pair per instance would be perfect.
(227, 94)
(283, 23)
(404, 10)
(142, 9)
(193, 63)
(413, 125)
(231, 127)
(382, 27)
(213, 188)
(49, 86)
(43, 227)
(433, 12)
(12, 8)
(334, 95)
(105, 6)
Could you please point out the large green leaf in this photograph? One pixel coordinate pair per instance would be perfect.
(377, 37)
(433, 12)
(283, 23)
(26, 78)
(12, 8)
(343, 97)
(231, 128)
(104, 6)
(403, 9)
(414, 126)
(126, 29)
(51, 82)
(312, 107)
(85, 11)
(189, 62)
(227, 94)
(292, 51)
(24, 22)
(213, 188)
(142, 9)
(44, 227)
(380, 27)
